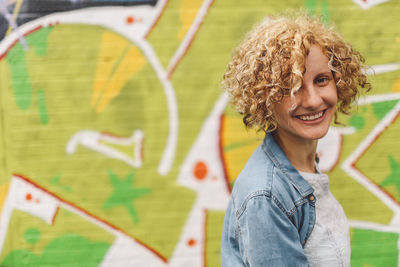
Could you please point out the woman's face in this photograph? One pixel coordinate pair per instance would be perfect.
(315, 102)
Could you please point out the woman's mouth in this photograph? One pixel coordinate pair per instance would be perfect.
(311, 117)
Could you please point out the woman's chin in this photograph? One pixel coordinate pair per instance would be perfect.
(315, 134)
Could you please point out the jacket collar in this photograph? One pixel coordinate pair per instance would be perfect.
(279, 159)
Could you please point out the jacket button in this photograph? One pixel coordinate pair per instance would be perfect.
(311, 198)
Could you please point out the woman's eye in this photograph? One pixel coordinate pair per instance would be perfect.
(322, 80)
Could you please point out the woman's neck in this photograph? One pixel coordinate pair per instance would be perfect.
(299, 151)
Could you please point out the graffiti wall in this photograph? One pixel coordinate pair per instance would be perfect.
(118, 147)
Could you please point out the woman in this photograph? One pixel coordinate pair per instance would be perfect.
(289, 77)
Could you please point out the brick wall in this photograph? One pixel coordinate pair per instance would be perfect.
(118, 147)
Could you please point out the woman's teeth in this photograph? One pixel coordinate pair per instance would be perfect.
(311, 117)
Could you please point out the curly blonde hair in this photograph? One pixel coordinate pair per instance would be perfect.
(269, 64)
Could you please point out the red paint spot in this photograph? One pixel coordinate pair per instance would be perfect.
(87, 213)
(191, 242)
(130, 20)
(11, 46)
(200, 170)
(28, 196)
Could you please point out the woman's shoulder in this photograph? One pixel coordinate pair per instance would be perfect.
(260, 177)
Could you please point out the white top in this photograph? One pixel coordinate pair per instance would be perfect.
(329, 242)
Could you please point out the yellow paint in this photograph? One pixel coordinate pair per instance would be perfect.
(128, 150)
(3, 194)
(247, 141)
(187, 13)
(396, 86)
(110, 47)
(118, 60)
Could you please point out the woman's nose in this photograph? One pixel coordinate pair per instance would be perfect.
(310, 97)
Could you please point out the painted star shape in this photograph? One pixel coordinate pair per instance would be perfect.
(124, 194)
(394, 176)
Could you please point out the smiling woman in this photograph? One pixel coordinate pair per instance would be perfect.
(289, 77)
(306, 118)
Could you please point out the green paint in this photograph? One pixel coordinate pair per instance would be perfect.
(394, 177)
(17, 61)
(141, 104)
(67, 189)
(370, 248)
(357, 121)
(214, 223)
(164, 37)
(66, 223)
(380, 109)
(44, 116)
(125, 193)
(238, 145)
(20, 77)
(67, 250)
(311, 5)
(20, 258)
(325, 11)
(32, 235)
(374, 164)
(56, 181)
(39, 40)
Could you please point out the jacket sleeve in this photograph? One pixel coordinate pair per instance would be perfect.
(268, 236)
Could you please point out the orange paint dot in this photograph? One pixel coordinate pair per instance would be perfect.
(28, 196)
(37, 200)
(191, 242)
(396, 86)
(130, 20)
(200, 170)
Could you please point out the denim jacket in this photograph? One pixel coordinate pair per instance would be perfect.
(271, 212)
